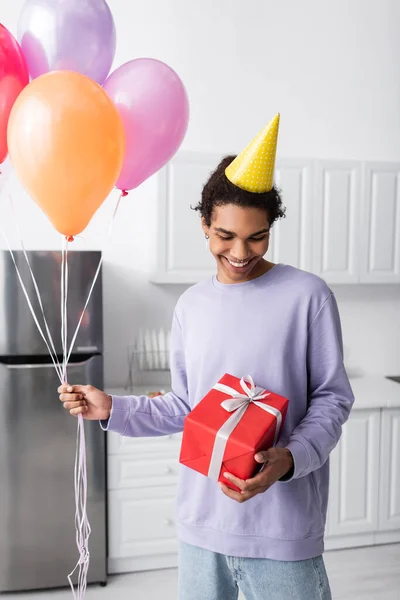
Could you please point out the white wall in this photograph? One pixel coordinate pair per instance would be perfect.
(330, 68)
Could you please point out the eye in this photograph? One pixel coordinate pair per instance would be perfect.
(259, 239)
(225, 237)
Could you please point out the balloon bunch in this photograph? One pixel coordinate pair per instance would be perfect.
(73, 133)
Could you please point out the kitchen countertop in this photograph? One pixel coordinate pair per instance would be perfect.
(372, 391)
(138, 391)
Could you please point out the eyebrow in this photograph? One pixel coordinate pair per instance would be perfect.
(226, 232)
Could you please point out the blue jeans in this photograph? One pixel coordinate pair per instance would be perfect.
(205, 575)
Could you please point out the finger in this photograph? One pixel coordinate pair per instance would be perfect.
(265, 478)
(263, 457)
(247, 485)
(255, 492)
(72, 389)
(70, 397)
(64, 388)
(78, 411)
(69, 405)
(238, 496)
(240, 483)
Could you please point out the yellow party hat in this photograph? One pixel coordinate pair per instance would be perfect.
(253, 169)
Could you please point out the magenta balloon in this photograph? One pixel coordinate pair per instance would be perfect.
(73, 35)
(154, 107)
(13, 78)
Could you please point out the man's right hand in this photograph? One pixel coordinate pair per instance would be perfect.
(86, 400)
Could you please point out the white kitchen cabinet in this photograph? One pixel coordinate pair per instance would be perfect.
(364, 501)
(389, 488)
(291, 238)
(343, 220)
(336, 221)
(353, 502)
(142, 483)
(142, 529)
(380, 224)
(182, 256)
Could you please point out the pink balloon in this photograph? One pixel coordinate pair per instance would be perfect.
(154, 107)
(13, 78)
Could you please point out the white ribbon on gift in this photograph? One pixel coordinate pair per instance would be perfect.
(237, 405)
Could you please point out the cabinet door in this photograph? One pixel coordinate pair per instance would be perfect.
(182, 254)
(291, 237)
(389, 483)
(380, 230)
(142, 522)
(353, 502)
(336, 221)
(142, 482)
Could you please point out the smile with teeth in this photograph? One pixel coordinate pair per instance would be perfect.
(238, 264)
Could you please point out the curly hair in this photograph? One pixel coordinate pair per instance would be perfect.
(219, 191)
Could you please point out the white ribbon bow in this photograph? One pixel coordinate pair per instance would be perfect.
(237, 405)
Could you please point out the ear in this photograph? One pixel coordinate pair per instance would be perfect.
(268, 241)
(204, 226)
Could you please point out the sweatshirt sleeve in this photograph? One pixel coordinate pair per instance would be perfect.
(330, 397)
(140, 416)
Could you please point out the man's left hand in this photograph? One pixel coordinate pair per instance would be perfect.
(278, 462)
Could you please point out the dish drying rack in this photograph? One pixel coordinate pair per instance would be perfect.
(148, 354)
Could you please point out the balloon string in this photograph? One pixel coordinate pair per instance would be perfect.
(62, 282)
(80, 474)
(82, 524)
(53, 352)
(30, 306)
(108, 235)
(64, 305)
(80, 469)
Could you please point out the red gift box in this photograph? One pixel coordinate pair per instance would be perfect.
(229, 426)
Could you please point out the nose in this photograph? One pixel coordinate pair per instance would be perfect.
(240, 250)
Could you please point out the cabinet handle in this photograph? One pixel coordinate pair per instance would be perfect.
(169, 522)
(168, 471)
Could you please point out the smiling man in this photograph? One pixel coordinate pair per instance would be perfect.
(281, 326)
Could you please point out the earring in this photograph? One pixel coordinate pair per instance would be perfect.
(207, 241)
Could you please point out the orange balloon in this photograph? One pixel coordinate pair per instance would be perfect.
(66, 142)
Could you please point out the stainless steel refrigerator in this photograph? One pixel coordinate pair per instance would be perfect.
(37, 436)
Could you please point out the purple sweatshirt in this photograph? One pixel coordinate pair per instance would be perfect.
(283, 329)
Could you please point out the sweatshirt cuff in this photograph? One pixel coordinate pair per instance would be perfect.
(119, 415)
(301, 460)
